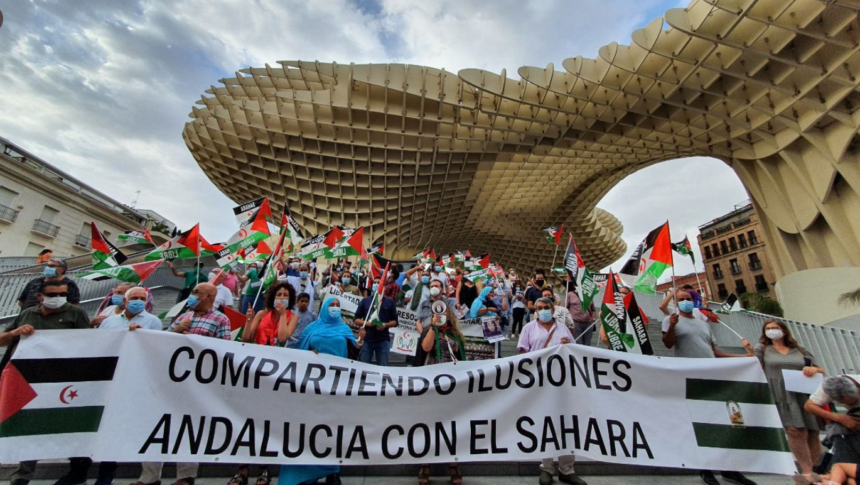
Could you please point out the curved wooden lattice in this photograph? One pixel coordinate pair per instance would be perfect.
(423, 157)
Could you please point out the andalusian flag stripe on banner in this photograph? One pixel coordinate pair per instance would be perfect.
(735, 415)
(54, 396)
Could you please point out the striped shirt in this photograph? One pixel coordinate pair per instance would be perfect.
(210, 324)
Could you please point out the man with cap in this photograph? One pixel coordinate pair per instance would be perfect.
(55, 271)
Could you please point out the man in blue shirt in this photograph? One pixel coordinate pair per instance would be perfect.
(377, 338)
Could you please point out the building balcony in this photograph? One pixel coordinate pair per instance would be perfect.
(718, 276)
(753, 241)
(755, 265)
(8, 214)
(736, 270)
(82, 241)
(45, 228)
(762, 288)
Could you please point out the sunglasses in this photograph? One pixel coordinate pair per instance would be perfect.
(52, 295)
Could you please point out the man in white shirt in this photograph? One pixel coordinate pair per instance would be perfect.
(224, 297)
(303, 283)
(134, 314)
(115, 307)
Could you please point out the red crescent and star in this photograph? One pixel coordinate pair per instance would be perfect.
(71, 394)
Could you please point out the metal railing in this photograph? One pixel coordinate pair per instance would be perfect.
(8, 214)
(755, 265)
(45, 228)
(82, 241)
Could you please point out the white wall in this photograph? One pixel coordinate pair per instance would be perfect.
(811, 295)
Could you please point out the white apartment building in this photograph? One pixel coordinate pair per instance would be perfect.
(44, 207)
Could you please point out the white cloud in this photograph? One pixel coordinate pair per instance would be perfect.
(102, 89)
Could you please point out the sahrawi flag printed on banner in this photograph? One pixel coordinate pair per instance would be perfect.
(586, 288)
(105, 254)
(54, 396)
(133, 273)
(189, 244)
(624, 328)
(554, 234)
(651, 258)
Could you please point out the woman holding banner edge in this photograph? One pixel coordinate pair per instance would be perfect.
(441, 342)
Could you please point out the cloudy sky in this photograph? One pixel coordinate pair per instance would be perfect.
(102, 88)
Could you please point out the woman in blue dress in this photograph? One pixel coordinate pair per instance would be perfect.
(327, 335)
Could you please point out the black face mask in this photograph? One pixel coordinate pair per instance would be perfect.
(539, 283)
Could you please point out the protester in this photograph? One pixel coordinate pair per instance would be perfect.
(231, 282)
(542, 332)
(425, 310)
(583, 321)
(532, 294)
(349, 284)
(51, 312)
(438, 273)
(252, 282)
(201, 320)
(500, 297)
(224, 298)
(134, 313)
(844, 429)
(441, 341)
(328, 335)
(693, 338)
(116, 306)
(560, 313)
(44, 256)
(467, 291)
(303, 283)
(193, 276)
(305, 317)
(483, 305)
(518, 310)
(276, 323)
(392, 288)
(419, 281)
(376, 338)
(55, 271)
(777, 350)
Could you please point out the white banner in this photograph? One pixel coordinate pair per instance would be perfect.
(159, 396)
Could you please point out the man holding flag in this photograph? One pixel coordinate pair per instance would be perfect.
(376, 314)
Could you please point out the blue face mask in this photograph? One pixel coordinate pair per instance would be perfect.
(375, 286)
(135, 306)
(425, 279)
(346, 281)
(545, 315)
(49, 271)
(334, 312)
(116, 300)
(192, 301)
(686, 306)
(438, 268)
(304, 274)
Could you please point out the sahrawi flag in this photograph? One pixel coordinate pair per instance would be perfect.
(133, 273)
(376, 304)
(586, 288)
(351, 245)
(626, 333)
(105, 254)
(684, 248)
(189, 244)
(252, 230)
(135, 237)
(54, 396)
(650, 259)
(553, 234)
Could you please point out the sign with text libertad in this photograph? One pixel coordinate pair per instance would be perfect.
(157, 396)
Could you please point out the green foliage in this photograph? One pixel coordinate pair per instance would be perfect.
(850, 298)
(761, 304)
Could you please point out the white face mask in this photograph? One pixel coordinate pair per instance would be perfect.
(442, 320)
(435, 291)
(53, 302)
(774, 333)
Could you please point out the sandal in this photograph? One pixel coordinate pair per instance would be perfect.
(424, 475)
(456, 478)
(264, 479)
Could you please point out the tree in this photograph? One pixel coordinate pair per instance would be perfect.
(761, 304)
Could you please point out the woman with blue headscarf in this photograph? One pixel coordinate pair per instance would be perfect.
(327, 335)
(483, 305)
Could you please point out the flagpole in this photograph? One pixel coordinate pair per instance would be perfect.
(198, 256)
(553, 258)
(674, 290)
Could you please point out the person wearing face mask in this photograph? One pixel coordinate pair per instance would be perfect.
(327, 335)
(376, 337)
(533, 293)
(116, 307)
(349, 284)
(467, 291)
(52, 312)
(303, 282)
(500, 297)
(777, 350)
(484, 305)
(425, 309)
(542, 332)
(193, 275)
(231, 282)
(441, 341)
(691, 337)
(518, 310)
(224, 298)
(134, 313)
(276, 323)
(305, 316)
(54, 271)
(438, 273)
(252, 281)
(419, 280)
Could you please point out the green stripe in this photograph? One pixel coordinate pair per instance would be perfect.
(647, 282)
(747, 438)
(31, 422)
(724, 391)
